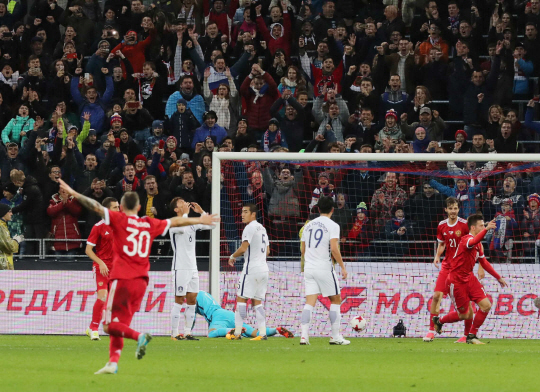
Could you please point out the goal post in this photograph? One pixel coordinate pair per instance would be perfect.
(391, 266)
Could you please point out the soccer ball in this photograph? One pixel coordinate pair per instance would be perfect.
(358, 323)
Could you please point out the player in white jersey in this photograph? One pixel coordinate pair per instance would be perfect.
(319, 242)
(185, 276)
(254, 277)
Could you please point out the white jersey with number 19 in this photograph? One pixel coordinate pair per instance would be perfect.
(316, 237)
(255, 256)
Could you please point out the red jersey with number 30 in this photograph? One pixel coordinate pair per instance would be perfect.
(101, 238)
(133, 240)
(450, 235)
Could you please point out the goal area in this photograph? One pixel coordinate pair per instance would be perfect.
(388, 207)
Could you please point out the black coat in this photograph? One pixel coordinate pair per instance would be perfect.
(32, 207)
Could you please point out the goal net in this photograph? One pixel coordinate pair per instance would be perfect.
(388, 207)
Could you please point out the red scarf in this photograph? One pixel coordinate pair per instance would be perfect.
(133, 184)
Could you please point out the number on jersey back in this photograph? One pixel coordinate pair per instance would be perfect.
(316, 238)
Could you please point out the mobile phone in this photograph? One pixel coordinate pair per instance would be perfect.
(133, 104)
(43, 147)
(71, 55)
(87, 75)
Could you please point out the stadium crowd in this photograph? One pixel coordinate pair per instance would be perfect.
(136, 96)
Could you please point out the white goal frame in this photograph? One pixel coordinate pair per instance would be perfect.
(218, 157)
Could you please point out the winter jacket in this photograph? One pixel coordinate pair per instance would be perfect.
(337, 124)
(434, 131)
(203, 132)
(12, 131)
(8, 246)
(97, 109)
(392, 198)
(275, 43)
(182, 126)
(195, 103)
(257, 108)
(521, 81)
(284, 200)
(293, 130)
(64, 222)
(32, 205)
(135, 53)
(15, 225)
(467, 198)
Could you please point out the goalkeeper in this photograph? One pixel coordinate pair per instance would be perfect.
(221, 321)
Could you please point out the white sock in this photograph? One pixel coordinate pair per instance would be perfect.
(261, 319)
(189, 318)
(306, 320)
(175, 318)
(335, 320)
(239, 316)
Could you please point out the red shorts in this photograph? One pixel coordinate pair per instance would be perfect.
(462, 293)
(440, 285)
(102, 282)
(124, 299)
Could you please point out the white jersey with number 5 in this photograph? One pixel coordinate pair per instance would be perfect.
(255, 256)
(316, 237)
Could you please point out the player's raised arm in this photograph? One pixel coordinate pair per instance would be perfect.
(179, 221)
(334, 248)
(480, 236)
(86, 202)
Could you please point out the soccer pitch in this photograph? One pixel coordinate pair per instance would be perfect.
(67, 363)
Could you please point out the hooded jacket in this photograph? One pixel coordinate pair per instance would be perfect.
(204, 131)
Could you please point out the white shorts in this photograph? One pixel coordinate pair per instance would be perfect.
(253, 286)
(323, 282)
(185, 281)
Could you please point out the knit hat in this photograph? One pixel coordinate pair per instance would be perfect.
(362, 207)
(12, 188)
(173, 139)
(460, 132)
(92, 132)
(184, 156)
(392, 113)
(507, 201)
(103, 41)
(157, 124)
(4, 209)
(510, 175)
(116, 117)
(532, 197)
(181, 101)
(242, 119)
(140, 157)
(324, 174)
(274, 121)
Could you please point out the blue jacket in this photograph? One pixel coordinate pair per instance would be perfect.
(467, 201)
(529, 121)
(196, 104)
(203, 132)
(521, 83)
(97, 110)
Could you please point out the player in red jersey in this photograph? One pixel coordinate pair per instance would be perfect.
(449, 233)
(129, 277)
(101, 237)
(463, 286)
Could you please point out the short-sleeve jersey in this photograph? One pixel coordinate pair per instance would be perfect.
(183, 245)
(465, 259)
(102, 239)
(316, 237)
(255, 256)
(450, 235)
(133, 240)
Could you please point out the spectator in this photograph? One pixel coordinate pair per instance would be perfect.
(243, 139)
(508, 191)
(152, 87)
(392, 23)
(13, 198)
(530, 223)
(10, 160)
(273, 136)
(434, 41)
(422, 98)
(332, 125)
(361, 232)
(157, 131)
(399, 231)
(293, 120)
(134, 50)
(425, 209)
(421, 23)
(421, 142)
(284, 193)
(501, 238)
(32, 209)
(462, 144)
(195, 102)
(523, 69)
(259, 92)
(391, 131)
(430, 121)
(153, 202)
(64, 211)
(16, 130)
(127, 145)
(209, 128)
(224, 103)
(394, 98)
(495, 119)
(385, 199)
(182, 125)
(506, 143)
(324, 188)
(8, 244)
(130, 182)
(342, 214)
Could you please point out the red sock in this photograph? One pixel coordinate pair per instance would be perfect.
(452, 317)
(478, 320)
(122, 330)
(431, 325)
(468, 324)
(115, 348)
(97, 313)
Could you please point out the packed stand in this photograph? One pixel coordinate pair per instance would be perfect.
(132, 96)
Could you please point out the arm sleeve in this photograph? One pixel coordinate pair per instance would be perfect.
(488, 267)
(476, 240)
(247, 235)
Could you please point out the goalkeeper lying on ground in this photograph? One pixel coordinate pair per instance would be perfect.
(221, 321)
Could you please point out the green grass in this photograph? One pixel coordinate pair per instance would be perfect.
(67, 363)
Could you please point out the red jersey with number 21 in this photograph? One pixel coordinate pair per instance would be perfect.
(132, 243)
(450, 235)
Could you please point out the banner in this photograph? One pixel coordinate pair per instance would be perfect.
(60, 302)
